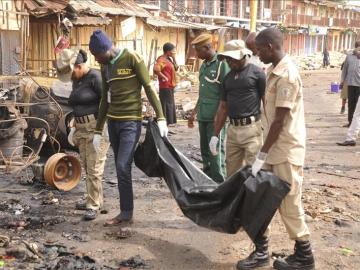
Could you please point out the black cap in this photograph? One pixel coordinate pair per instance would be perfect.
(81, 58)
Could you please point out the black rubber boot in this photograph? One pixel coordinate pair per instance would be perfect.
(258, 258)
(302, 259)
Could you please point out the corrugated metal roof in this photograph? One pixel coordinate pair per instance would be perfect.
(103, 7)
(208, 27)
(86, 20)
(100, 8)
(163, 22)
(40, 8)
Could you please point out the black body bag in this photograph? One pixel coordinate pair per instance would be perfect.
(241, 201)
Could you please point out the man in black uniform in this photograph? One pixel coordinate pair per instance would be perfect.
(241, 93)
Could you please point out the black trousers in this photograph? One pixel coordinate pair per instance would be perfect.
(353, 96)
(168, 104)
(326, 62)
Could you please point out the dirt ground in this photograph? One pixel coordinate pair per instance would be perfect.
(163, 238)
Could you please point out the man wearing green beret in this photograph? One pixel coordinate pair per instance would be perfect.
(211, 74)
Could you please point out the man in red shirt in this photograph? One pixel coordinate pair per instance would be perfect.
(165, 68)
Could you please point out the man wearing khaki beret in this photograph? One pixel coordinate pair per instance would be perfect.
(211, 74)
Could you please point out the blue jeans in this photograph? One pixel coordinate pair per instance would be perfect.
(124, 136)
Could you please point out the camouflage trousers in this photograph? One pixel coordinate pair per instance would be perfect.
(92, 162)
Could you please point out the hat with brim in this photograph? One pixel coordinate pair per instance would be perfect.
(235, 49)
(65, 64)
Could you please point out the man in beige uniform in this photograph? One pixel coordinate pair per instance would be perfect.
(283, 152)
(84, 101)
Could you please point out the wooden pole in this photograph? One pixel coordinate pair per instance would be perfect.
(155, 49)
(150, 53)
(253, 15)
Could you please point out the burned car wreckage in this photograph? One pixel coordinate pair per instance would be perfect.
(34, 124)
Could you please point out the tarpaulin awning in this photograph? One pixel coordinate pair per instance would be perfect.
(241, 201)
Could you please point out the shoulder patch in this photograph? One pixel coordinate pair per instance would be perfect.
(284, 93)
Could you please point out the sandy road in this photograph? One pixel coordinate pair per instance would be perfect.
(166, 240)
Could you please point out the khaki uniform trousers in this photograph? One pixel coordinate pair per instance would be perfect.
(93, 162)
(344, 92)
(242, 145)
(291, 209)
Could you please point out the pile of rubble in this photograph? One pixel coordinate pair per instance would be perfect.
(315, 61)
(186, 79)
(184, 107)
(16, 253)
(186, 75)
(23, 244)
(18, 216)
(24, 254)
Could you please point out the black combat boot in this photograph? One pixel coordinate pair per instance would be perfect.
(302, 259)
(258, 258)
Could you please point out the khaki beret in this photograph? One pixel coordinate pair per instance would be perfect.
(202, 40)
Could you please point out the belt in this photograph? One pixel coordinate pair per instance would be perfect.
(245, 120)
(85, 119)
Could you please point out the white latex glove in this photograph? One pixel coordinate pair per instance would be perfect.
(259, 162)
(71, 135)
(163, 128)
(213, 145)
(97, 142)
(106, 134)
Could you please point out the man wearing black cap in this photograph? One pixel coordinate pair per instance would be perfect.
(165, 68)
(124, 74)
